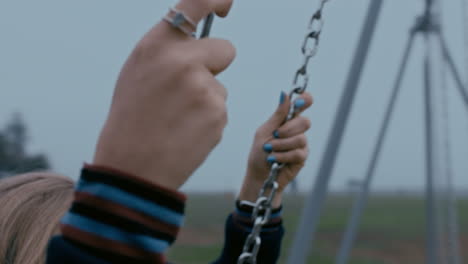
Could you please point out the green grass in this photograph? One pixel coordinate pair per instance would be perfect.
(392, 230)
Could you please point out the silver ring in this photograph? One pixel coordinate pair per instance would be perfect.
(178, 19)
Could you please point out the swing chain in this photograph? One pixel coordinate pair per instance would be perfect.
(309, 49)
(262, 208)
(261, 213)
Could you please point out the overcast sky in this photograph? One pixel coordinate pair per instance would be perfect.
(59, 61)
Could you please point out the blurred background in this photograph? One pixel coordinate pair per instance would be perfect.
(59, 61)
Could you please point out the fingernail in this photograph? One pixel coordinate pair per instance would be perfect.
(276, 134)
(268, 148)
(271, 159)
(299, 103)
(282, 98)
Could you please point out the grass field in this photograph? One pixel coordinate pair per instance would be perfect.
(392, 230)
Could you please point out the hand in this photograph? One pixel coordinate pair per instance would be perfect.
(276, 141)
(168, 111)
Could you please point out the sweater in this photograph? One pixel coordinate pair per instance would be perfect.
(120, 218)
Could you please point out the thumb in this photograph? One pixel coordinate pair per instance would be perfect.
(215, 54)
(280, 115)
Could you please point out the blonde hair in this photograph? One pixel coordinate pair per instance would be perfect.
(31, 206)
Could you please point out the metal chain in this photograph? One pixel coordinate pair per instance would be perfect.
(262, 208)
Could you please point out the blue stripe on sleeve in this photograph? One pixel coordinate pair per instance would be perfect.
(131, 201)
(244, 214)
(102, 230)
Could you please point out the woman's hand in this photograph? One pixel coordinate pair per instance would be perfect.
(276, 141)
(168, 111)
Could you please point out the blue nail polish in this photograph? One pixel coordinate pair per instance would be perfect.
(299, 103)
(276, 134)
(282, 98)
(268, 148)
(271, 159)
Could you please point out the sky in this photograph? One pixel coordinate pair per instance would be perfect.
(59, 61)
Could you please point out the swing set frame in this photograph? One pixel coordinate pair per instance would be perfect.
(429, 26)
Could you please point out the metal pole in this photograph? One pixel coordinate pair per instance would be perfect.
(451, 238)
(453, 243)
(361, 201)
(303, 242)
(453, 69)
(431, 216)
(433, 68)
(455, 256)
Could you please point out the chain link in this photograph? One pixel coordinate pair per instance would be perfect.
(309, 48)
(262, 208)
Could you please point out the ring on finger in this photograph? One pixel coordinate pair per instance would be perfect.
(179, 20)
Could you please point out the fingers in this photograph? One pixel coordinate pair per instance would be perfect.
(223, 7)
(303, 102)
(279, 117)
(199, 9)
(296, 126)
(195, 10)
(215, 54)
(296, 156)
(286, 144)
(219, 89)
(292, 148)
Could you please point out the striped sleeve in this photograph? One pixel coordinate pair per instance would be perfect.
(120, 218)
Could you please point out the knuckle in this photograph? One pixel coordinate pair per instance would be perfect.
(300, 155)
(222, 116)
(297, 154)
(220, 90)
(218, 111)
(196, 85)
(218, 135)
(219, 129)
(302, 140)
(216, 124)
(306, 122)
(198, 79)
(225, 92)
(183, 62)
(185, 66)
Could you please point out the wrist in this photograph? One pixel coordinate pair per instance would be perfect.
(251, 188)
(134, 161)
(146, 186)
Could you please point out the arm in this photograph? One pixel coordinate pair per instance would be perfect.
(168, 112)
(275, 141)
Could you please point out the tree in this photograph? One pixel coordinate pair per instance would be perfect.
(16, 135)
(13, 149)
